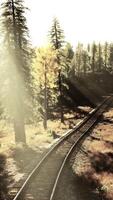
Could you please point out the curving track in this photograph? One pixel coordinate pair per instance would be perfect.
(43, 181)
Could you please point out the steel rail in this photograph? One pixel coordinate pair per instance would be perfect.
(63, 138)
(68, 155)
(66, 158)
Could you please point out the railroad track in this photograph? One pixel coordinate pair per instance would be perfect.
(43, 181)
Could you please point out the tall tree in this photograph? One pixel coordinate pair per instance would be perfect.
(45, 70)
(106, 55)
(85, 60)
(18, 57)
(111, 57)
(68, 57)
(93, 60)
(89, 55)
(57, 41)
(78, 58)
(99, 58)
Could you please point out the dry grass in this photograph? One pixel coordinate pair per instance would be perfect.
(36, 135)
(17, 159)
(97, 165)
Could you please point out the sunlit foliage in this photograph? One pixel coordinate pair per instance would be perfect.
(45, 70)
(93, 59)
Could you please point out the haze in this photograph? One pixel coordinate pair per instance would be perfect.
(81, 20)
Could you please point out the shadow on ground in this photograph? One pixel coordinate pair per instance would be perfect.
(86, 189)
(102, 162)
(25, 158)
(5, 179)
(74, 187)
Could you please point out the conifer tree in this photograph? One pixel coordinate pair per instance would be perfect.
(78, 58)
(111, 57)
(106, 55)
(89, 54)
(68, 57)
(57, 40)
(85, 60)
(93, 59)
(17, 64)
(56, 35)
(99, 58)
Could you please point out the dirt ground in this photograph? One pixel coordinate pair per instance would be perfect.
(94, 163)
(17, 160)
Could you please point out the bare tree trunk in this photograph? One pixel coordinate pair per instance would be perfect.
(61, 95)
(84, 69)
(105, 55)
(19, 129)
(19, 126)
(45, 99)
(93, 65)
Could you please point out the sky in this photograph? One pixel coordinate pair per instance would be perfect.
(82, 20)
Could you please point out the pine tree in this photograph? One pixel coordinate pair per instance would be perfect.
(57, 40)
(93, 59)
(89, 55)
(18, 57)
(68, 57)
(78, 58)
(106, 55)
(99, 58)
(85, 60)
(56, 35)
(111, 57)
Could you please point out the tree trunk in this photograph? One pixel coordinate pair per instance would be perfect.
(19, 126)
(19, 129)
(106, 58)
(14, 23)
(18, 114)
(61, 95)
(93, 65)
(45, 100)
(84, 66)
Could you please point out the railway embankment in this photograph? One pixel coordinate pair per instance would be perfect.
(94, 163)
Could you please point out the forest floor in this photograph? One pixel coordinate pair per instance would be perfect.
(16, 160)
(94, 163)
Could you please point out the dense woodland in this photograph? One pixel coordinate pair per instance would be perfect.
(34, 80)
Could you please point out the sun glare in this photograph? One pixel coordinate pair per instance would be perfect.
(81, 20)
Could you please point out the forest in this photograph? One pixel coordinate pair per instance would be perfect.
(36, 81)
(48, 92)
